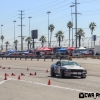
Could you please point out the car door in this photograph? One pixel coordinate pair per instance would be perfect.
(58, 66)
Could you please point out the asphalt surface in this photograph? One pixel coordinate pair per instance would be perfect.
(36, 87)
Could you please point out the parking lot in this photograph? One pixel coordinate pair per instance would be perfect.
(35, 87)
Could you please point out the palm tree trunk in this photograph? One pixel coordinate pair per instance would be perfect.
(28, 44)
(16, 46)
(69, 37)
(79, 40)
(2, 44)
(91, 38)
(59, 41)
(42, 43)
(6, 47)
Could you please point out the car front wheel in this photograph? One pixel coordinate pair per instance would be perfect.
(62, 74)
(52, 73)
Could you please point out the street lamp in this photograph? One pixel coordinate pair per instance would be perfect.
(14, 29)
(0, 37)
(29, 25)
(72, 22)
(1, 30)
(48, 26)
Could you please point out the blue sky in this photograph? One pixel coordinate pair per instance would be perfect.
(60, 15)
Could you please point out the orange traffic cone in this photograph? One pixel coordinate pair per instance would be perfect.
(6, 74)
(9, 68)
(35, 73)
(19, 77)
(22, 74)
(46, 71)
(31, 74)
(13, 74)
(27, 69)
(3, 68)
(49, 82)
(5, 77)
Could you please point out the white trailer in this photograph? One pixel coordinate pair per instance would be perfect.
(97, 49)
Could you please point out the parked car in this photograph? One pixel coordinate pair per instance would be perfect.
(67, 68)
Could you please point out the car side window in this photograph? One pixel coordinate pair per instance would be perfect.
(58, 63)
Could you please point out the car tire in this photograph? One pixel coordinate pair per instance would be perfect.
(62, 74)
(52, 73)
(83, 76)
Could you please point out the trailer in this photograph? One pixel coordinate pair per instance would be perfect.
(97, 50)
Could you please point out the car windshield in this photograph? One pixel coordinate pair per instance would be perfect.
(69, 63)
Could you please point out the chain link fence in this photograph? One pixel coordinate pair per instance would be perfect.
(85, 42)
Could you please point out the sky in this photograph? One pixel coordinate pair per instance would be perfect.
(60, 15)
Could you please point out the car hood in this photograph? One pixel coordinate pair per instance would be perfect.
(72, 67)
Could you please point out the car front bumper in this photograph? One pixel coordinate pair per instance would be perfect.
(75, 73)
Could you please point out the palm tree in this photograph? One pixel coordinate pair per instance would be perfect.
(7, 43)
(15, 42)
(2, 38)
(28, 40)
(69, 25)
(80, 33)
(92, 28)
(43, 40)
(59, 35)
(51, 28)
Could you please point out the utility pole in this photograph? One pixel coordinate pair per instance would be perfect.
(72, 22)
(76, 19)
(48, 27)
(21, 29)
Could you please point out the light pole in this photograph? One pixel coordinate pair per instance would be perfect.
(48, 26)
(14, 29)
(0, 37)
(29, 25)
(72, 22)
(1, 29)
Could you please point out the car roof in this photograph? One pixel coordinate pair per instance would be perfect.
(65, 60)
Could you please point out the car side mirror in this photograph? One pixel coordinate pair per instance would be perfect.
(59, 64)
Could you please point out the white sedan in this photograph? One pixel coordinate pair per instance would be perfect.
(67, 68)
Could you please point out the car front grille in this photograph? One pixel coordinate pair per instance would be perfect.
(76, 70)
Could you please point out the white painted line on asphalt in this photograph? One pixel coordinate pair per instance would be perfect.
(63, 88)
(5, 81)
(47, 85)
(22, 80)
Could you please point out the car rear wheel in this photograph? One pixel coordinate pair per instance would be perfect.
(62, 74)
(52, 73)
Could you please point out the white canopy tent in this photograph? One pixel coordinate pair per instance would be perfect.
(82, 48)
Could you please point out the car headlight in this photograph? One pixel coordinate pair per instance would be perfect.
(68, 70)
(85, 71)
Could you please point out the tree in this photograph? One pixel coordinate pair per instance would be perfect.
(2, 38)
(51, 28)
(28, 40)
(80, 33)
(15, 42)
(59, 35)
(7, 43)
(43, 40)
(92, 28)
(69, 25)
